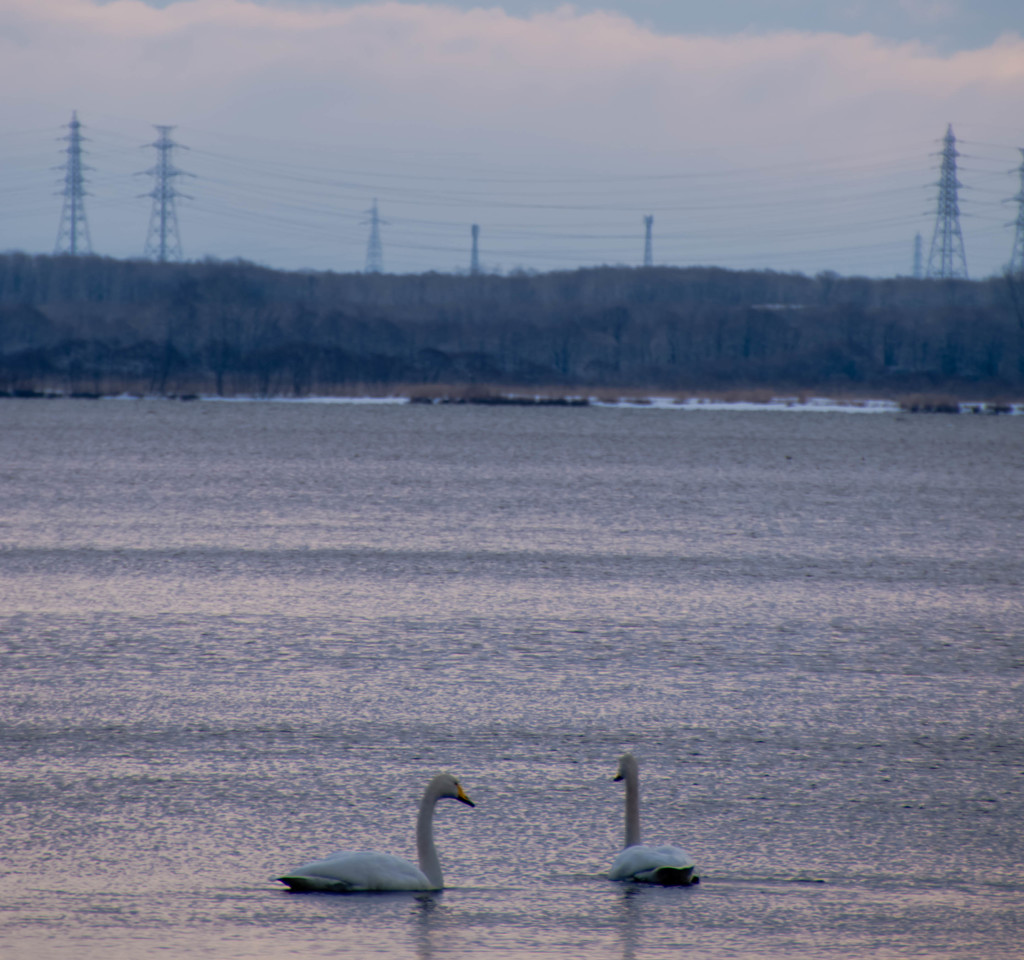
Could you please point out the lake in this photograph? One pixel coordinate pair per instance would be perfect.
(235, 637)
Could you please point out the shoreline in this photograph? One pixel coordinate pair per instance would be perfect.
(632, 400)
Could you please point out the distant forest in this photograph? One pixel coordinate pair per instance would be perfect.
(94, 325)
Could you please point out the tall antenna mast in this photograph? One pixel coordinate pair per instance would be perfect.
(474, 257)
(918, 264)
(946, 258)
(73, 232)
(163, 241)
(1016, 264)
(648, 246)
(374, 250)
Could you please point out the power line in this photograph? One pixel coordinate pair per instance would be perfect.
(784, 213)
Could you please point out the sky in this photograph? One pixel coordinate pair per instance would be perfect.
(789, 135)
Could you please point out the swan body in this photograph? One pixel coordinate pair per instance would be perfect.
(666, 865)
(357, 872)
(370, 872)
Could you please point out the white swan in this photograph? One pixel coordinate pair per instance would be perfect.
(667, 865)
(366, 871)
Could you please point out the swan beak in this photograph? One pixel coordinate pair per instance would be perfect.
(460, 794)
(617, 778)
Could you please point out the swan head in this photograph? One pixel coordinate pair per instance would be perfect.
(447, 786)
(627, 764)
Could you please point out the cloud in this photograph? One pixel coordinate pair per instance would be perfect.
(583, 78)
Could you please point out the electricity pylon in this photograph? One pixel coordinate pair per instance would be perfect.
(163, 242)
(374, 250)
(474, 256)
(918, 264)
(73, 232)
(1016, 264)
(947, 259)
(648, 245)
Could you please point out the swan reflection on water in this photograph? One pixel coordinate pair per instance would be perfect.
(432, 922)
(629, 916)
(425, 913)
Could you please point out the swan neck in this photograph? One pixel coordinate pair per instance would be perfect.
(632, 806)
(426, 852)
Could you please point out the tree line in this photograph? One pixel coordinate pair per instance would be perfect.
(94, 325)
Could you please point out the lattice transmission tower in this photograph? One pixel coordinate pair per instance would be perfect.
(163, 241)
(1016, 264)
(374, 250)
(73, 232)
(474, 255)
(947, 259)
(648, 241)
(918, 257)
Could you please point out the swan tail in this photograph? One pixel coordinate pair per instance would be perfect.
(315, 885)
(669, 876)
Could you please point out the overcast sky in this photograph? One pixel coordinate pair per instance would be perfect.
(792, 135)
(944, 24)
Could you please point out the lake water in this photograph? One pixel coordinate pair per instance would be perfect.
(237, 637)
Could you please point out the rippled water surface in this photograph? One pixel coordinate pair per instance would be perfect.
(237, 637)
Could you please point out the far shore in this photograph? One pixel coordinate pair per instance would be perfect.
(759, 399)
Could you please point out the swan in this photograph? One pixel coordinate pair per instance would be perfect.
(666, 865)
(369, 871)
